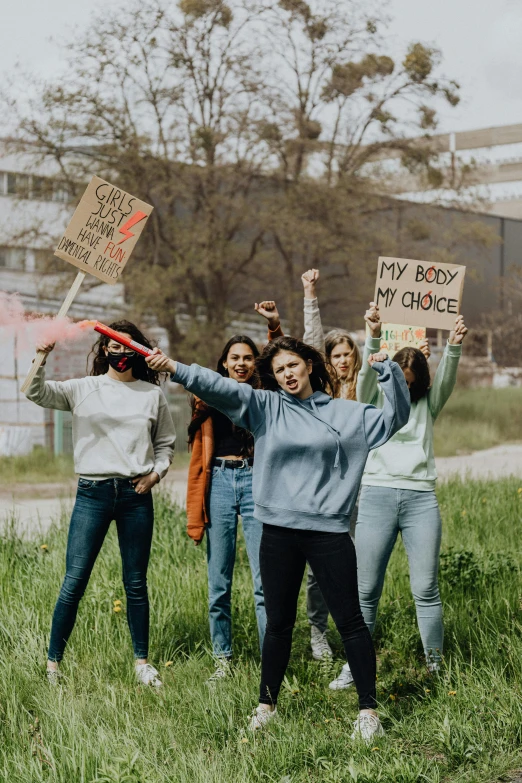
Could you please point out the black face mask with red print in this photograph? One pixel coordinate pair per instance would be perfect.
(121, 362)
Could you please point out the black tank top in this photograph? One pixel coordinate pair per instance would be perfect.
(230, 440)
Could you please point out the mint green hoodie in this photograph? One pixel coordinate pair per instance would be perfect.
(407, 461)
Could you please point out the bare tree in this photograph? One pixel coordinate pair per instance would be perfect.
(169, 104)
(254, 129)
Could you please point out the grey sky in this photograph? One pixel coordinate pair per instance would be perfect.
(480, 41)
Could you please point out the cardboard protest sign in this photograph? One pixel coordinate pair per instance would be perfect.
(397, 336)
(103, 231)
(428, 294)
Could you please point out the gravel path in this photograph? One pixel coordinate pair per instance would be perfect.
(493, 463)
(32, 507)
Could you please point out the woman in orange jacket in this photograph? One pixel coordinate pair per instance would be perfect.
(219, 490)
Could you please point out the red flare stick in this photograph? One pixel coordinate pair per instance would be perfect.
(123, 339)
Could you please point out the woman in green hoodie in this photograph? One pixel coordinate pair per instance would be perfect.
(398, 486)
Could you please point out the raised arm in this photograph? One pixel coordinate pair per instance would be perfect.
(446, 374)
(313, 327)
(380, 424)
(268, 309)
(244, 406)
(49, 394)
(367, 381)
(163, 438)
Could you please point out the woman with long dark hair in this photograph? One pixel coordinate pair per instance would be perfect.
(123, 439)
(398, 485)
(310, 452)
(219, 490)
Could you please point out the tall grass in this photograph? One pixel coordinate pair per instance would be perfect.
(38, 466)
(465, 725)
(477, 419)
(42, 466)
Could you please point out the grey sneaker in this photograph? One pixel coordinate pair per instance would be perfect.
(260, 717)
(319, 643)
(366, 727)
(148, 675)
(222, 670)
(53, 677)
(343, 681)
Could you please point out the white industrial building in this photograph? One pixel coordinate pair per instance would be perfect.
(34, 209)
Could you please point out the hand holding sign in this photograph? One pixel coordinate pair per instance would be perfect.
(105, 219)
(459, 332)
(427, 294)
(424, 347)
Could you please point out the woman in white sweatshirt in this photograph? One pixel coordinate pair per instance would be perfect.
(123, 438)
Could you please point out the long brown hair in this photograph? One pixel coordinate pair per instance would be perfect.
(414, 359)
(201, 411)
(331, 340)
(319, 377)
(140, 369)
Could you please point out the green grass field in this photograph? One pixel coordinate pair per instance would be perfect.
(465, 725)
(477, 419)
(41, 466)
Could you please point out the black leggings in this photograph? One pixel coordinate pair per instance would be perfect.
(283, 557)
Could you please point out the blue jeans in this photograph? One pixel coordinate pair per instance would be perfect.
(97, 504)
(231, 496)
(383, 513)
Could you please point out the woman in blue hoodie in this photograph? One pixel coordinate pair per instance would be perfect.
(310, 454)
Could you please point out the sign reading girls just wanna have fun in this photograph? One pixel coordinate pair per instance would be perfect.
(103, 231)
(419, 292)
(99, 240)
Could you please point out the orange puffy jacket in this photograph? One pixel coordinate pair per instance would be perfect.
(200, 471)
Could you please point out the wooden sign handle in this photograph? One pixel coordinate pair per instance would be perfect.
(64, 309)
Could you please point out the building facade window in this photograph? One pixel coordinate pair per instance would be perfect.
(20, 185)
(13, 258)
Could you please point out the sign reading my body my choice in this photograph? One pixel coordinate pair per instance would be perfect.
(103, 231)
(419, 292)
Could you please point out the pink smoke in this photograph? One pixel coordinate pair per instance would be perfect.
(31, 330)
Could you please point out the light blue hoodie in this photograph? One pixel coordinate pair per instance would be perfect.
(309, 455)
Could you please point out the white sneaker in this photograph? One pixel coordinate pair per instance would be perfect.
(319, 643)
(260, 717)
(366, 727)
(148, 675)
(222, 670)
(344, 680)
(433, 667)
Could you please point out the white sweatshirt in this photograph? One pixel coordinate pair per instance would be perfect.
(120, 430)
